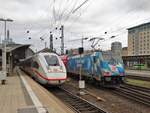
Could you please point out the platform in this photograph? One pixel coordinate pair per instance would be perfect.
(14, 96)
(48, 100)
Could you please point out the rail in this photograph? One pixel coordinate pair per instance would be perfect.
(134, 94)
(138, 77)
(78, 104)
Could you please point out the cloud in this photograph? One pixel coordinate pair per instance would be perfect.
(93, 19)
(140, 5)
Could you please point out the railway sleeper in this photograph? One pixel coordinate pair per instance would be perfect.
(145, 89)
(135, 93)
(81, 104)
(74, 101)
(94, 111)
(135, 90)
(86, 109)
(128, 95)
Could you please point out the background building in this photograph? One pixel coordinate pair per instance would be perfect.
(116, 47)
(138, 51)
(125, 51)
(139, 40)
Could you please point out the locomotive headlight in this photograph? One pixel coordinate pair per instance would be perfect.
(107, 73)
(122, 74)
(49, 69)
(123, 78)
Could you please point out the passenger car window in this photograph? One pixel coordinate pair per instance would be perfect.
(51, 60)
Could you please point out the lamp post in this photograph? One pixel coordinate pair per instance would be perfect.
(4, 65)
(83, 40)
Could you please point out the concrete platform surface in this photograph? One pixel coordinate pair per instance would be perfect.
(138, 73)
(13, 95)
(47, 99)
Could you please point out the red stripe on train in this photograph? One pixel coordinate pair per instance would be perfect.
(40, 75)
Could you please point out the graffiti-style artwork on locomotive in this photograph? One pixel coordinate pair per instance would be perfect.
(105, 68)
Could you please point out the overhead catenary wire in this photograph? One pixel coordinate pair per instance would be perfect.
(80, 6)
(42, 29)
(77, 18)
(62, 8)
(119, 18)
(70, 12)
(116, 20)
(133, 10)
(65, 10)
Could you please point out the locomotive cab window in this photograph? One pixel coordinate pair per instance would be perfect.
(35, 65)
(51, 60)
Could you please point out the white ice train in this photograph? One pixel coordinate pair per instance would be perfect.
(46, 68)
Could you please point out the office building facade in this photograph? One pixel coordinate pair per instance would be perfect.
(139, 40)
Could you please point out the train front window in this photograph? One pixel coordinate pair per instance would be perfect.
(112, 58)
(51, 60)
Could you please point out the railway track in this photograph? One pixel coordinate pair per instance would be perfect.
(134, 93)
(138, 77)
(143, 89)
(78, 104)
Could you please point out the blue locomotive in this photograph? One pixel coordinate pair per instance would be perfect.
(104, 67)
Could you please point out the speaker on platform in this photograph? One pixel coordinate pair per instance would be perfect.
(80, 50)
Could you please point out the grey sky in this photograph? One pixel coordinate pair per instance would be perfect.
(93, 19)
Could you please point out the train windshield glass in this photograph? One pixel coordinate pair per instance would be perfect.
(112, 58)
(51, 60)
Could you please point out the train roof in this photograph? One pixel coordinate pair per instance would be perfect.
(47, 53)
